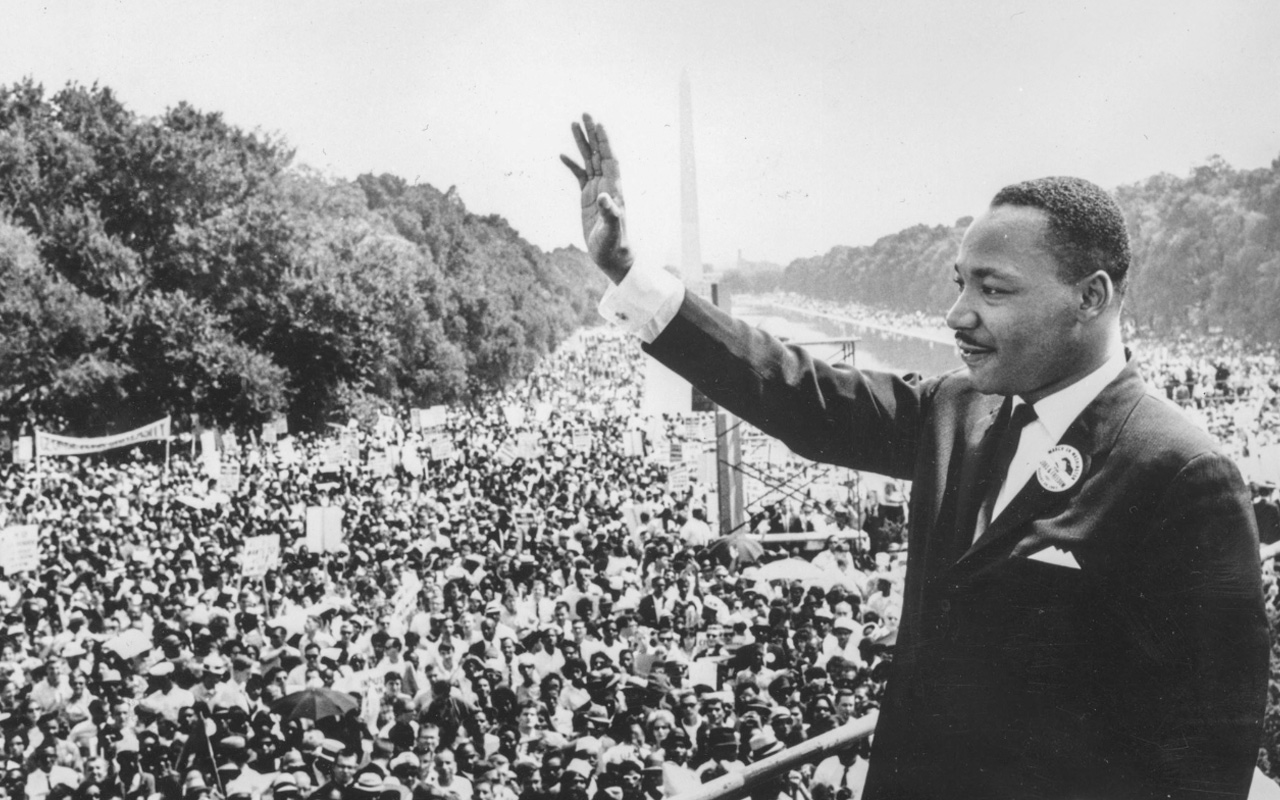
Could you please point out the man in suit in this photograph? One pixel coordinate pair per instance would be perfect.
(1083, 614)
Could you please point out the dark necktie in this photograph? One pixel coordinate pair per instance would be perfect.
(1006, 448)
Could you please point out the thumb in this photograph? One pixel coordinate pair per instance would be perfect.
(609, 207)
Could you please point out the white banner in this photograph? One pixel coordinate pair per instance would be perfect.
(48, 444)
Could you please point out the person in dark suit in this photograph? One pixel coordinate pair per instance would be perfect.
(1083, 612)
(1266, 513)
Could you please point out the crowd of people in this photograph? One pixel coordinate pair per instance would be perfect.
(522, 602)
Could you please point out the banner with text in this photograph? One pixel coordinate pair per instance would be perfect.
(49, 444)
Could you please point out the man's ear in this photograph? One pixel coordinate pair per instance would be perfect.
(1097, 295)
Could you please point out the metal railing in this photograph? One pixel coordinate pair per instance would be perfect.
(737, 785)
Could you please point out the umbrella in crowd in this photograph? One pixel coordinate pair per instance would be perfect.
(795, 569)
(132, 642)
(736, 548)
(315, 704)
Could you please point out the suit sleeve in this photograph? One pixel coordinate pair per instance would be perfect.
(1199, 627)
(830, 413)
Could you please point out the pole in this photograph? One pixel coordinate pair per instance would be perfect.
(728, 449)
(737, 785)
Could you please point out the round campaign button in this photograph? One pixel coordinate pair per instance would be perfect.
(1060, 469)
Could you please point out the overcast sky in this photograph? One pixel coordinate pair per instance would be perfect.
(816, 124)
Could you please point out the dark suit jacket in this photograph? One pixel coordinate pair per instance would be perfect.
(1141, 674)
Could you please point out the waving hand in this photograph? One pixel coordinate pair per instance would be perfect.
(603, 214)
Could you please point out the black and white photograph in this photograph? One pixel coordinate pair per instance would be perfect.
(575, 400)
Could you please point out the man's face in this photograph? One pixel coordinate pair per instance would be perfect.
(428, 740)
(846, 707)
(689, 708)
(1016, 319)
(344, 769)
(446, 767)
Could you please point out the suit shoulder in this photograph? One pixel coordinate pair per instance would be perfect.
(1162, 425)
(953, 392)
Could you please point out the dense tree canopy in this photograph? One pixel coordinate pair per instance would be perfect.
(1206, 255)
(179, 265)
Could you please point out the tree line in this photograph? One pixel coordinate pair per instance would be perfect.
(1206, 251)
(180, 265)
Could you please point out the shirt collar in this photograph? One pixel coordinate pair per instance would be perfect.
(1057, 411)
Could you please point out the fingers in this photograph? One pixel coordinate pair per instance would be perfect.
(583, 146)
(602, 143)
(609, 208)
(578, 172)
(590, 125)
(593, 139)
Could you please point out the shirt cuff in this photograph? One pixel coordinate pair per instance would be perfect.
(644, 303)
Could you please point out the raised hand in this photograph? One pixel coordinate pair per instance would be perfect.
(603, 215)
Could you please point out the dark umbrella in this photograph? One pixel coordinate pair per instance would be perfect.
(314, 704)
(736, 548)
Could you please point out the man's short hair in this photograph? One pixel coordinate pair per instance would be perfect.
(1086, 226)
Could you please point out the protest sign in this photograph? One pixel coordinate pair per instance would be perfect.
(678, 479)
(324, 529)
(514, 414)
(288, 453)
(528, 446)
(704, 672)
(524, 518)
(633, 443)
(506, 452)
(411, 461)
(427, 418)
(441, 449)
(229, 476)
(382, 462)
(20, 548)
(260, 555)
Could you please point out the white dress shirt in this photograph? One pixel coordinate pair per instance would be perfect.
(1054, 414)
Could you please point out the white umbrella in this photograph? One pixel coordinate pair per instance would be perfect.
(852, 580)
(293, 622)
(793, 569)
(130, 643)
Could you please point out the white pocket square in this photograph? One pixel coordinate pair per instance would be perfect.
(1056, 556)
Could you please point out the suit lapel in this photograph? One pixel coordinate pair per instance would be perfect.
(958, 505)
(1092, 434)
